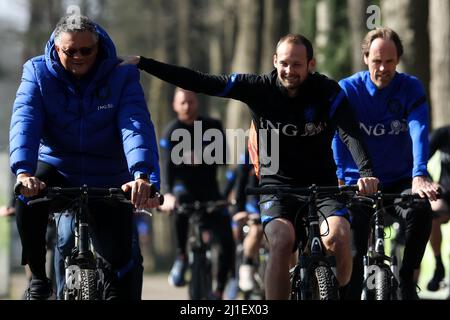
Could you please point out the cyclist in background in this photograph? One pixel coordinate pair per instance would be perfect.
(80, 118)
(392, 111)
(190, 180)
(246, 211)
(440, 140)
(302, 110)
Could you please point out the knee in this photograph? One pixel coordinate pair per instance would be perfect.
(338, 238)
(337, 243)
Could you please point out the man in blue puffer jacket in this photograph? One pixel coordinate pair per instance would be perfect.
(80, 119)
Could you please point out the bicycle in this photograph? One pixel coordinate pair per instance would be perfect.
(84, 270)
(259, 262)
(314, 275)
(200, 256)
(381, 277)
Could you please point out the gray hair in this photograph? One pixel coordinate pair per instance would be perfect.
(75, 23)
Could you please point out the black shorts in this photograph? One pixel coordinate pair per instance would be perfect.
(292, 207)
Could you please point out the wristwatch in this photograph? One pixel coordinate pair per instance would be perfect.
(140, 175)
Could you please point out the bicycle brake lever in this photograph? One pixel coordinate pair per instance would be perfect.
(144, 211)
(32, 202)
(17, 187)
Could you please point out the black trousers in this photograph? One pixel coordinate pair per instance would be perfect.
(417, 221)
(110, 228)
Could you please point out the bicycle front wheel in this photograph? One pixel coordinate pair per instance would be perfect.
(382, 285)
(324, 284)
(201, 279)
(88, 285)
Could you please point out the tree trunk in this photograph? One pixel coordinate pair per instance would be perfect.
(440, 61)
(356, 11)
(324, 25)
(39, 29)
(295, 18)
(245, 57)
(244, 60)
(275, 25)
(409, 19)
(183, 18)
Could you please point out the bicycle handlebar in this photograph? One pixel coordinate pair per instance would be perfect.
(50, 193)
(208, 206)
(300, 191)
(403, 197)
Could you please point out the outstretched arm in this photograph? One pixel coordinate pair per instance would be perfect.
(243, 87)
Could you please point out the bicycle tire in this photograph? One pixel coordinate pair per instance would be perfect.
(201, 279)
(382, 285)
(88, 285)
(324, 285)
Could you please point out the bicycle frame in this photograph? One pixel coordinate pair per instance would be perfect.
(84, 273)
(200, 262)
(312, 264)
(381, 276)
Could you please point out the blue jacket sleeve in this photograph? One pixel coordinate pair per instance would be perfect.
(26, 123)
(338, 149)
(138, 132)
(418, 128)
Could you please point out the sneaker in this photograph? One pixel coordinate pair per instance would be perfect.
(39, 290)
(434, 284)
(246, 282)
(176, 276)
(408, 291)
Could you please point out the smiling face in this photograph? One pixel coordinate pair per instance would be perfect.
(382, 61)
(291, 62)
(77, 52)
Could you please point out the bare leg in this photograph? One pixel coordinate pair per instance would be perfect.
(253, 240)
(337, 243)
(281, 237)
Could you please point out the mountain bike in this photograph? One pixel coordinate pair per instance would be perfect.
(260, 262)
(314, 275)
(381, 278)
(84, 270)
(200, 255)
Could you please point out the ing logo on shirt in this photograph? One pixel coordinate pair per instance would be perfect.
(394, 128)
(292, 130)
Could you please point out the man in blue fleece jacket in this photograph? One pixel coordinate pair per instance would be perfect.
(392, 111)
(80, 119)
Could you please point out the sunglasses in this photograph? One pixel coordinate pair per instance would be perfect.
(85, 51)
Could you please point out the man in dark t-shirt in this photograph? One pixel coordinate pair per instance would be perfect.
(300, 110)
(187, 177)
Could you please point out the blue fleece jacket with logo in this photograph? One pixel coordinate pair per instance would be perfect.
(95, 131)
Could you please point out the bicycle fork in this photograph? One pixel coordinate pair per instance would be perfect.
(316, 252)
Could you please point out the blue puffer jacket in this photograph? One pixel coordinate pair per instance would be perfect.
(99, 136)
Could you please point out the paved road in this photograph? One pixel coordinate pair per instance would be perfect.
(155, 288)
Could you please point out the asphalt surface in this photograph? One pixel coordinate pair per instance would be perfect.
(155, 287)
